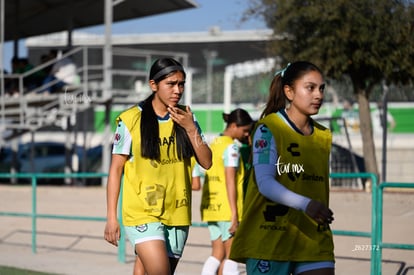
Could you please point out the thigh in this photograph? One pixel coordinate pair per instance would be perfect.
(148, 241)
(176, 238)
(138, 267)
(227, 247)
(218, 249)
(153, 255)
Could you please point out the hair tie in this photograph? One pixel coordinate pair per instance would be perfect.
(282, 71)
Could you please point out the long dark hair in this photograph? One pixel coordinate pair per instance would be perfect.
(150, 147)
(277, 98)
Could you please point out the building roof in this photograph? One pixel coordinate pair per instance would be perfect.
(212, 35)
(230, 46)
(29, 18)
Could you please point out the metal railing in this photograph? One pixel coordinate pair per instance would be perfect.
(30, 110)
(376, 213)
(34, 215)
(379, 193)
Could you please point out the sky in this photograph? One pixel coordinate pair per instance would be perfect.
(225, 14)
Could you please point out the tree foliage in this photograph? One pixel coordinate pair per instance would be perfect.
(369, 41)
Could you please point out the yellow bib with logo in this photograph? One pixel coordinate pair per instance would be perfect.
(214, 202)
(155, 191)
(271, 231)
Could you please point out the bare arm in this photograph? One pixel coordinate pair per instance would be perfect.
(112, 229)
(196, 183)
(230, 173)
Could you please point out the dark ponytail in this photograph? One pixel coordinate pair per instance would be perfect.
(277, 98)
(293, 71)
(150, 132)
(238, 116)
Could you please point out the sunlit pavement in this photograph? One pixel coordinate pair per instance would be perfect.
(77, 247)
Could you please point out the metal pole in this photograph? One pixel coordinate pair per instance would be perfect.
(107, 58)
(107, 62)
(209, 99)
(228, 78)
(209, 56)
(209, 95)
(188, 94)
(16, 35)
(384, 120)
(34, 214)
(68, 153)
(3, 106)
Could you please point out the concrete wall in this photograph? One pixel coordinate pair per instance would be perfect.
(399, 155)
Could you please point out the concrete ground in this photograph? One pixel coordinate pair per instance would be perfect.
(77, 247)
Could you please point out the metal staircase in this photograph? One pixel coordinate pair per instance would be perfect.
(31, 110)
